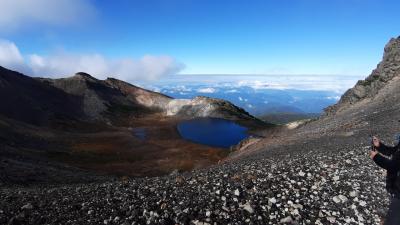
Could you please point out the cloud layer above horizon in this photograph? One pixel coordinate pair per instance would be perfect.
(63, 64)
(186, 83)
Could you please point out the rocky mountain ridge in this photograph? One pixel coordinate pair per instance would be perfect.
(101, 100)
(385, 71)
(28, 100)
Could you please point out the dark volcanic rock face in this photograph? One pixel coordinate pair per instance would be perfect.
(99, 99)
(28, 100)
(386, 70)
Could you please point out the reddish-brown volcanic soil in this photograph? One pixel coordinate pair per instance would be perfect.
(120, 152)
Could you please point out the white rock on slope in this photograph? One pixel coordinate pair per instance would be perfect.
(175, 105)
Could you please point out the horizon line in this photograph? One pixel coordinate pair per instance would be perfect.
(261, 74)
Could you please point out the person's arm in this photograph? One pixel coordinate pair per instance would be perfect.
(382, 148)
(387, 150)
(388, 164)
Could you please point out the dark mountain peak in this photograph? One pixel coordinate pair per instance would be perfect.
(128, 88)
(385, 72)
(10, 73)
(83, 75)
(116, 82)
(392, 51)
(2, 68)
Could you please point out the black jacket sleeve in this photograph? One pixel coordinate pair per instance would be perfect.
(392, 165)
(386, 150)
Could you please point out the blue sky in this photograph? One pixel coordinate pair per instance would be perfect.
(132, 39)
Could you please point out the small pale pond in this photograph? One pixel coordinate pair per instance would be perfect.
(140, 133)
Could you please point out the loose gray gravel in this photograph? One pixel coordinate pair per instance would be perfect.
(303, 183)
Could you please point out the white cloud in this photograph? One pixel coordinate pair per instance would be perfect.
(146, 68)
(224, 83)
(156, 89)
(260, 85)
(182, 88)
(296, 98)
(15, 14)
(333, 98)
(232, 91)
(63, 64)
(206, 90)
(334, 83)
(243, 99)
(9, 54)
(11, 57)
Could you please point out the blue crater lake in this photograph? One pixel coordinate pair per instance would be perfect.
(212, 131)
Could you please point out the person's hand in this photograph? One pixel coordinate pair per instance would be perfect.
(372, 154)
(376, 141)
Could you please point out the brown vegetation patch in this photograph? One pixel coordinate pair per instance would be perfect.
(121, 153)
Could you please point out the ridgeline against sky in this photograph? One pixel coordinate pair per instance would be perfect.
(136, 40)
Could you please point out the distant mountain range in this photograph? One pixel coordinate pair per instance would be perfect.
(261, 95)
(267, 101)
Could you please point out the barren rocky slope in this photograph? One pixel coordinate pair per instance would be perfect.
(319, 173)
(20, 94)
